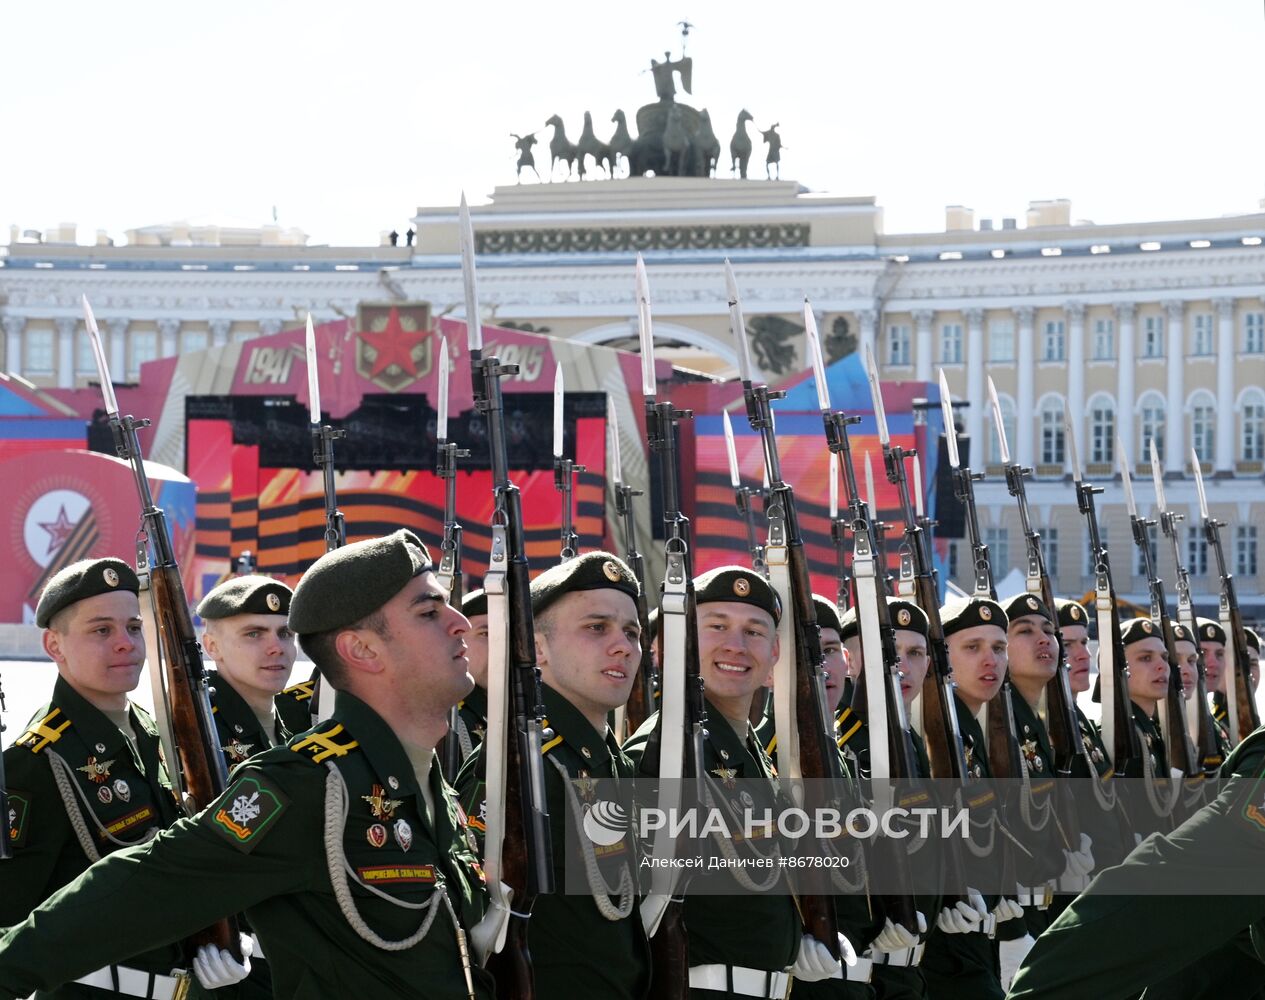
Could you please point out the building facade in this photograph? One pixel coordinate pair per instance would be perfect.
(1148, 332)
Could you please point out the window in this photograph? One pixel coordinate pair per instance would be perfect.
(1245, 550)
(1153, 337)
(1151, 426)
(898, 345)
(1254, 432)
(1053, 343)
(1102, 433)
(194, 340)
(39, 352)
(1009, 423)
(1254, 333)
(144, 348)
(1196, 552)
(998, 547)
(1088, 567)
(1152, 543)
(1201, 337)
(1104, 339)
(1052, 435)
(951, 343)
(1001, 340)
(1203, 418)
(1050, 551)
(85, 360)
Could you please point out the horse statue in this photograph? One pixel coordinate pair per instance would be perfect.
(560, 147)
(591, 145)
(676, 143)
(524, 143)
(774, 157)
(708, 145)
(740, 145)
(621, 142)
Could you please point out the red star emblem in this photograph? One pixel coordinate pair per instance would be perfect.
(393, 345)
(58, 531)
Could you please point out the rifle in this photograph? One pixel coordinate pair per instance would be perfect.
(742, 500)
(839, 535)
(323, 438)
(1241, 713)
(449, 574)
(682, 713)
(6, 847)
(1172, 710)
(563, 473)
(1060, 710)
(517, 847)
(182, 701)
(641, 701)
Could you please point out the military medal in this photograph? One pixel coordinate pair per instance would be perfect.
(98, 771)
(104, 795)
(122, 789)
(403, 834)
(585, 785)
(1031, 756)
(382, 807)
(237, 750)
(726, 776)
(376, 835)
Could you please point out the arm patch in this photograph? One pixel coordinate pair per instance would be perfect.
(247, 811)
(18, 818)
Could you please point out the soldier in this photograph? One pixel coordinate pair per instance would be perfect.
(345, 848)
(587, 647)
(87, 779)
(1212, 644)
(1148, 803)
(248, 636)
(739, 946)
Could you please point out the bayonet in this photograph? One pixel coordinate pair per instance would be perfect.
(323, 438)
(743, 497)
(998, 423)
(564, 472)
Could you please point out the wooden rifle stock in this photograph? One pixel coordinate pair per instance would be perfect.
(1247, 719)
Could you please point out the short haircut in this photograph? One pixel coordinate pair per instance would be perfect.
(322, 647)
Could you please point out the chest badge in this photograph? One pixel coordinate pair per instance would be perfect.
(403, 834)
(381, 807)
(1031, 755)
(123, 790)
(238, 751)
(726, 776)
(97, 770)
(376, 835)
(585, 785)
(104, 795)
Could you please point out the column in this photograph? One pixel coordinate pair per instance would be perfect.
(867, 320)
(13, 327)
(1175, 418)
(116, 330)
(219, 331)
(1125, 361)
(168, 329)
(922, 346)
(1025, 402)
(975, 392)
(267, 327)
(1075, 312)
(65, 351)
(1227, 430)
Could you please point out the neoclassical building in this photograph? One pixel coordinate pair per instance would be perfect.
(1151, 331)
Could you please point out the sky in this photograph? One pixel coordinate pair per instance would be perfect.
(347, 117)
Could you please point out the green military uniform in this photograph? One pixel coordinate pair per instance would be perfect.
(756, 930)
(294, 705)
(1121, 940)
(259, 849)
(472, 720)
(238, 729)
(614, 961)
(119, 795)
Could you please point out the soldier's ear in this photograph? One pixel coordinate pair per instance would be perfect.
(52, 646)
(542, 651)
(357, 649)
(209, 645)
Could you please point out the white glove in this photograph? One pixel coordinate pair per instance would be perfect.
(1079, 863)
(1137, 840)
(216, 967)
(896, 937)
(964, 916)
(488, 935)
(1007, 909)
(814, 961)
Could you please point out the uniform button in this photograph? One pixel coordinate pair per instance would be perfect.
(100, 748)
(394, 782)
(588, 754)
(724, 754)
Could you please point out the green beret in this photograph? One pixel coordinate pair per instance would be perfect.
(734, 583)
(1137, 629)
(906, 615)
(81, 580)
(1026, 604)
(246, 595)
(1210, 631)
(349, 584)
(590, 571)
(827, 613)
(1181, 633)
(977, 611)
(1071, 613)
(474, 603)
(1252, 638)
(850, 627)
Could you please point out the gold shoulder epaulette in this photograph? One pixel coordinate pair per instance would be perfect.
(325, 744)
(846, 726)
(48, 730)
(551, 739)
(302, 691)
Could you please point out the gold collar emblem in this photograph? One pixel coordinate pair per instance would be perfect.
(382, 807)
